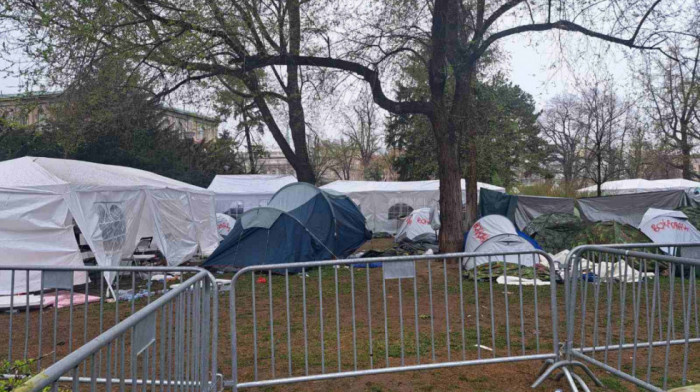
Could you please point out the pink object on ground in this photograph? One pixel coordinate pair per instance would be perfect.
(64, 299)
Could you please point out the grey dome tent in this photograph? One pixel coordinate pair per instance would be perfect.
(301, 223)
(496, 234)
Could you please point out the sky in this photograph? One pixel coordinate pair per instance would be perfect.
(535, 62)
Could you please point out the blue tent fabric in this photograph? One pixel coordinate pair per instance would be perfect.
(529, 239)
(301, 223)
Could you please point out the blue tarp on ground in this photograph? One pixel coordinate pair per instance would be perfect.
(301, 223)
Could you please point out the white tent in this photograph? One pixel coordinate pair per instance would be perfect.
(416, 225)
(236, 194)
(495, 234)
(384, 203)
(639, 185)
(667, 226)
(224, 224)
(113, 206)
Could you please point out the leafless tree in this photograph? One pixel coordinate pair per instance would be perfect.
(561, 127)
(673, 88)
(343, 156)
(320, 156)
(363, 128)
(603, 116)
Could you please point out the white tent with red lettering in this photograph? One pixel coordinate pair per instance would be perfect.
(417, 226)
(667, 226)
(495, 235)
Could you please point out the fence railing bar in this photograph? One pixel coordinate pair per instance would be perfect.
(272, 323)
(289, 325)
(337, 319)
(354, 328)
(477, 311)
(432, 316)
(255, 323)
(12, 311)
(398, 369)
(616, 372)
(369, 317)
(507, 310)
(386, 323)
(306, 329)
(403, 347)
(522, 308)
(415, 313)
(669, 327)
(491, 309)
(320, 319)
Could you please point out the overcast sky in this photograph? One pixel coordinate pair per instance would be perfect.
(534, 62)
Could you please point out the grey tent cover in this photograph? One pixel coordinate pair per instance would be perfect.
(629, 209)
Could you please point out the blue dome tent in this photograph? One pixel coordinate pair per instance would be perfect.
(300, 223)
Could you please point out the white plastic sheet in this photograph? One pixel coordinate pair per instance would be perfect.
(175, 233)
(35, 230)
(640, 185)
(109, 221)
(384, 202)
(239, 193)
(205, 222)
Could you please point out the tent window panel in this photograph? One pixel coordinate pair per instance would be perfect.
(236, 210)
(112, 224)
(399, 211)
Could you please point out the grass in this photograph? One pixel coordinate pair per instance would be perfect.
(528, 332)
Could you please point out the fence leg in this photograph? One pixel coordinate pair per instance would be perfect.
(566, 367)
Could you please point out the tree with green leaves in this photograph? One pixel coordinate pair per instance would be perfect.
(504, 117)
(106, 115)
(196, 41)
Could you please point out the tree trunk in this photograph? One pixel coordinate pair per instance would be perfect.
(297, 122)
(465, 126)
(599, 180)
(685, 153)
(451, 233)
(249, 144)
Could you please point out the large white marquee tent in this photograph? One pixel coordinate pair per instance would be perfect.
(640, 185)
(383, 202)
(113, 206)
(236, 194)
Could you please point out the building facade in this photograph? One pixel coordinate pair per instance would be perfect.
(276, 163)
(33, 109)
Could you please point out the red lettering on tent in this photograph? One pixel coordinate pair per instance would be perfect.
(669, 224)
(480, 233)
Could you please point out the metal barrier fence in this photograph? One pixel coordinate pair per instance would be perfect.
(155, 325)
(332, 319)
(633, 314)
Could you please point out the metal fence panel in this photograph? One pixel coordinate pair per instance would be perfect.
(332, 319)
(634, 314)
(166, 318)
